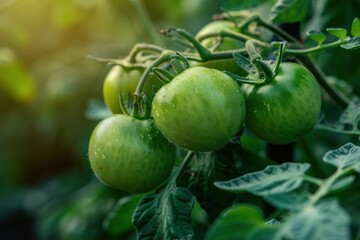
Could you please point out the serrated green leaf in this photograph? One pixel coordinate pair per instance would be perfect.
(345, 156)
(355, 27)
(118, 221)
(352, 44)
(326, 220)
(351, 115)
(342, 183)
(288, 201)
(208, 168)
(235, 223)
(348, 122)
(166, 215)
(288, 11)
(338, 32)
(274, 179)
(224, 164)
(317, 36)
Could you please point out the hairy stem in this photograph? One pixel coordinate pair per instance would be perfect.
(143, 47)
(314, 49)
(327, 183)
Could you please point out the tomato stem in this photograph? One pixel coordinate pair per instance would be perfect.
(203, 51)
(143, 47)
(164, 57)
(189, 156)
(314, 49)
(339, 98)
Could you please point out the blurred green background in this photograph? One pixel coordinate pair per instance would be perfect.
(47, 82)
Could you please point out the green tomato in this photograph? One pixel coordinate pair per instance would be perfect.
(125, 80)
(130, 154)
(216, 27)
(200, 110)
(286, 108)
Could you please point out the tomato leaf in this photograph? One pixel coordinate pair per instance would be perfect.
(345, 156)
(342, 183)
(355, 27)
(118, 221)
(338, 32)
(207, 169)
(348, 122)
(317, 36)
(236, 223)
(288, 201)
(289, 11)
(352, 44)
(224, 164)
(274, 179)
(326, 220)
(166, 215)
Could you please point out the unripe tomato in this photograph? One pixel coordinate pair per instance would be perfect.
(125, 80)
(130, 154)
(200, 110)
(216, 27)
(286, 108)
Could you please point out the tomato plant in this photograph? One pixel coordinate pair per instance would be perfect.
(286, 108)
(243, 71)
(200, 110)
(130, 154)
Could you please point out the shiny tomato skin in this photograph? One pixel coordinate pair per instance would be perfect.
(200, 110)
(130, 154)
(286, 108)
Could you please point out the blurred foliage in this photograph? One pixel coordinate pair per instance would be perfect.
(47, 190)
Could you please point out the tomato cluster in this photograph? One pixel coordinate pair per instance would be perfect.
(201, 109)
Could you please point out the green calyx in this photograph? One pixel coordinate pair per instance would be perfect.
(178, 64)
(264, 70)
(136, 106)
